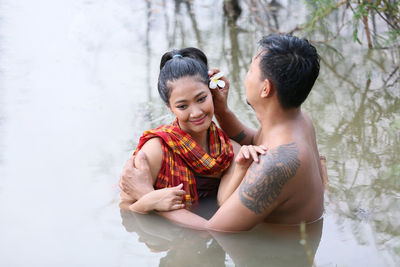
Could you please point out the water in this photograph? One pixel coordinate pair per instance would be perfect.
(78, 87)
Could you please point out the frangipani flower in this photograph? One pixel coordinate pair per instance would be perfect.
(214, 81)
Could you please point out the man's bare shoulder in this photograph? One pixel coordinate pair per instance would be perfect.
(309, 125)
(264, 181)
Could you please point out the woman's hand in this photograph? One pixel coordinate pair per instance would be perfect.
(248, 154)
(232, 179)
(220, 95)
(165, 199)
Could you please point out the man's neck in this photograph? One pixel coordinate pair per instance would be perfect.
(275, 121)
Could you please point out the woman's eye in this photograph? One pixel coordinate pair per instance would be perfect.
(202, 99)
(181, 106)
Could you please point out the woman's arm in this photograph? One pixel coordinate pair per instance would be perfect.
(153, 154)
(136, 181)
(234, 176)
(229, 178)
(165, 199)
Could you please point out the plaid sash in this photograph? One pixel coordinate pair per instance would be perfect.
(182, 157)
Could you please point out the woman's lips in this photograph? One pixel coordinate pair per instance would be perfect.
(200, 121)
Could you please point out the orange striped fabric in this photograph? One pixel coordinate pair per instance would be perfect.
(182, 157)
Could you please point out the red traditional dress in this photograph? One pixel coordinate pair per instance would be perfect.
(182, 157)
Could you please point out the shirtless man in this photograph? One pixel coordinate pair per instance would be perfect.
(286, 185)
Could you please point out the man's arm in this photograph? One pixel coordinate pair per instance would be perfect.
(235, 129)
(260, 191)
(185, 218)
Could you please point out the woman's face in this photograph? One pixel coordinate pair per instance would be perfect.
(191, 102)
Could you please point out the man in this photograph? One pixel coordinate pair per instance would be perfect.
(286, 185)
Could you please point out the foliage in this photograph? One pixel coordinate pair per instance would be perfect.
(379, 20)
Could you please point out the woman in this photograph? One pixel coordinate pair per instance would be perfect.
(192, 157)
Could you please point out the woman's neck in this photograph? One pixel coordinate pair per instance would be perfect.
(202, 140)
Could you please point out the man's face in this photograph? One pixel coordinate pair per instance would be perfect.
(254, 82)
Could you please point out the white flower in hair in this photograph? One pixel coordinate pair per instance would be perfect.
(215, 81)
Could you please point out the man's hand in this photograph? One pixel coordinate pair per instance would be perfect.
(136, 181)
(220, 95)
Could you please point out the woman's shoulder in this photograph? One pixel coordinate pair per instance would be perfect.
(153, 142)
(152, 146)
(154, 154)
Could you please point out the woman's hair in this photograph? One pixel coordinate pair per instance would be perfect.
(181, 63)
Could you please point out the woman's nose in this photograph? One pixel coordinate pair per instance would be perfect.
(196, 112)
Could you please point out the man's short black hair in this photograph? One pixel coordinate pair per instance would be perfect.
(292, 64)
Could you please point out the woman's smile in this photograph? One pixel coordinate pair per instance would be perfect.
(199, 121)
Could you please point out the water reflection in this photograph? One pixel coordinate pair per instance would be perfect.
(183, 247)
(270, 245)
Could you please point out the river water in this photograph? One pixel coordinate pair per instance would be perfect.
(78, 87)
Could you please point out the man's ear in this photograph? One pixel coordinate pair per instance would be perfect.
(268, 89)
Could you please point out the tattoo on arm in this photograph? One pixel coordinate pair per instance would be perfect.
(239, 137)
(265, 180)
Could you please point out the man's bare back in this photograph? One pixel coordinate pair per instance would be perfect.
(294, 173)
(285, 187)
